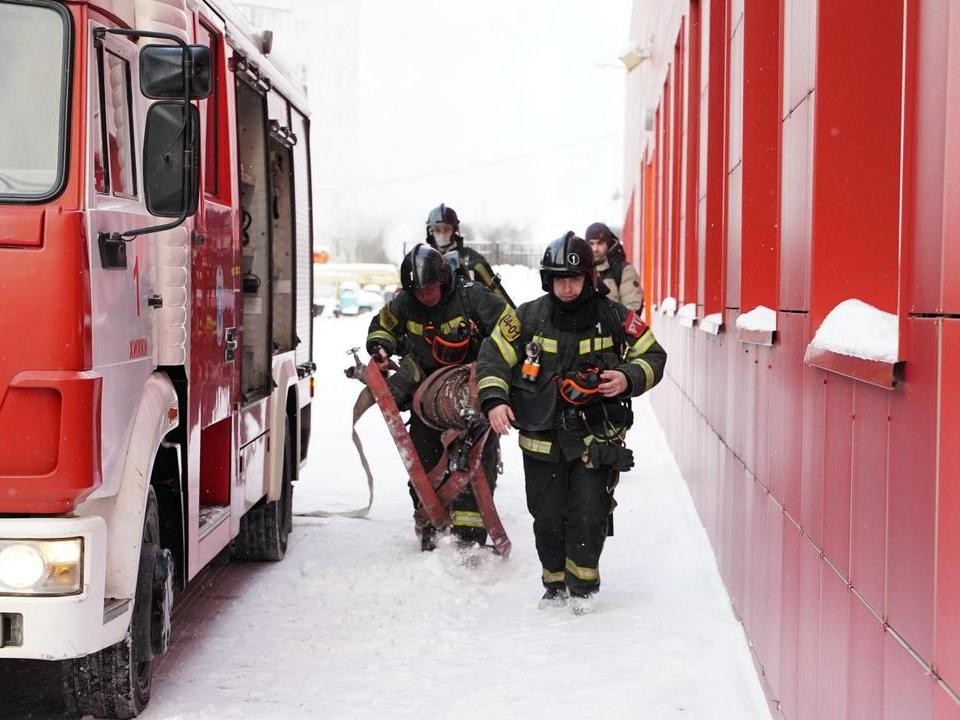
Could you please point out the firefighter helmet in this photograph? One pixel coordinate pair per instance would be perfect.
(443, 215)
(423, 266)
(567, 256)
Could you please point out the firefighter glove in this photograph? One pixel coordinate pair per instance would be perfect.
(612, 456)
(380, 355)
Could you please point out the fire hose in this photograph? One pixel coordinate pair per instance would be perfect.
(446, 401)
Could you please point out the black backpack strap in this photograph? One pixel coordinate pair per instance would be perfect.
(616, 272)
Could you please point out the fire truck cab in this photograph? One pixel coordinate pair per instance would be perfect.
(156, 370)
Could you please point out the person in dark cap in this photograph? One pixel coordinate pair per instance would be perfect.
(613, 270)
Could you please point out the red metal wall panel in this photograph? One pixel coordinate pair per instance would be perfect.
(811, 474)
(732, 248)
(761, 423)
(769, 650)
(799, 52)
(734, 159)
(838, 420)
(833, 663)
(924, 135)
(785, 447)
(911, 514)
(907, 687)
(748, 419)
(659, 264)
(691, 160)
(716, 168)
(809, 628)
(795, 209)
(951, 179)
(948, 493)
(856, 155)
(865, 692)
(790, 620)
(860, 468)
(760, 237)
(944, 706)
(868, 513)
(668, 182)
(676, 179)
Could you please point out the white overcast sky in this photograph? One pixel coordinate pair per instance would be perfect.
(509, 111)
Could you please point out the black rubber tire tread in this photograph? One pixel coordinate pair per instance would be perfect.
(105, 684)
(266, 527)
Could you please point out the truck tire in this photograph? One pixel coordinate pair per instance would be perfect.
(266, 527)
(115, 682)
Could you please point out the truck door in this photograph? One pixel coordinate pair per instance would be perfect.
(216, 262)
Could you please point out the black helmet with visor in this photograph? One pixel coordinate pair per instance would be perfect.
(567, 256)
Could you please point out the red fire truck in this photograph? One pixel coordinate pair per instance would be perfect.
(155, 323)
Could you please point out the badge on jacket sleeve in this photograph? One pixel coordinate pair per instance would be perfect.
(633, 324)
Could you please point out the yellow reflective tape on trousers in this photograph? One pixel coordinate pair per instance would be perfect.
(493, 381)
(582, 573)
(467, 518)
(600, 343)
(382, 335)
(553, 577)
(548, 345)
(533, 445)
(506, 349)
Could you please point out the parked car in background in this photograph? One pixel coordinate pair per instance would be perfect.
(350, 289)
(353, 299)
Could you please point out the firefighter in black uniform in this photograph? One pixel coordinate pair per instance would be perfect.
(564, 376)
(443, 233)
(431, 323)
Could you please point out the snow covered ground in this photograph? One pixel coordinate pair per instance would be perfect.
(357, 623)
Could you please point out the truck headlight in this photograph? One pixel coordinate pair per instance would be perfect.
(41, 567)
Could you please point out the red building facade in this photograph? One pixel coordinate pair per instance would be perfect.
(790, 155)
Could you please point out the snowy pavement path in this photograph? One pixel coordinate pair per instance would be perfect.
(357, 623)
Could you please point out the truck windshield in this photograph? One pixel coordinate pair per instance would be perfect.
(33, 81)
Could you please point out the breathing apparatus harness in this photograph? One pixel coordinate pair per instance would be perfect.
(579, 389)
(452, 347)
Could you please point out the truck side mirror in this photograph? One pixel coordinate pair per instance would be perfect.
(167, 184)
(162, 72)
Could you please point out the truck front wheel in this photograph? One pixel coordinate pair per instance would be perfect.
(115, 682)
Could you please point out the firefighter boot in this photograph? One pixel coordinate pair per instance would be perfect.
(583, 604)
(428, 538)
(555, 596)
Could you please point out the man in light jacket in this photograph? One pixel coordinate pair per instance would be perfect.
(613, 270)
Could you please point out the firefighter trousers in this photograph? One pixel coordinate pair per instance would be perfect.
(570, 504)
(467, 524)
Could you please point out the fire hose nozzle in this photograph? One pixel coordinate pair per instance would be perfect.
(357, 369)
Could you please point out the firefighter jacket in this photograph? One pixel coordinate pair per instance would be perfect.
(428, 338)
(622, 280)
(474, 267)
(550, 428)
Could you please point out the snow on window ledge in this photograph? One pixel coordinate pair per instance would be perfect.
(758, 327)
(668, 306)
(859, 341)
(687, 315)
(712, 323)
